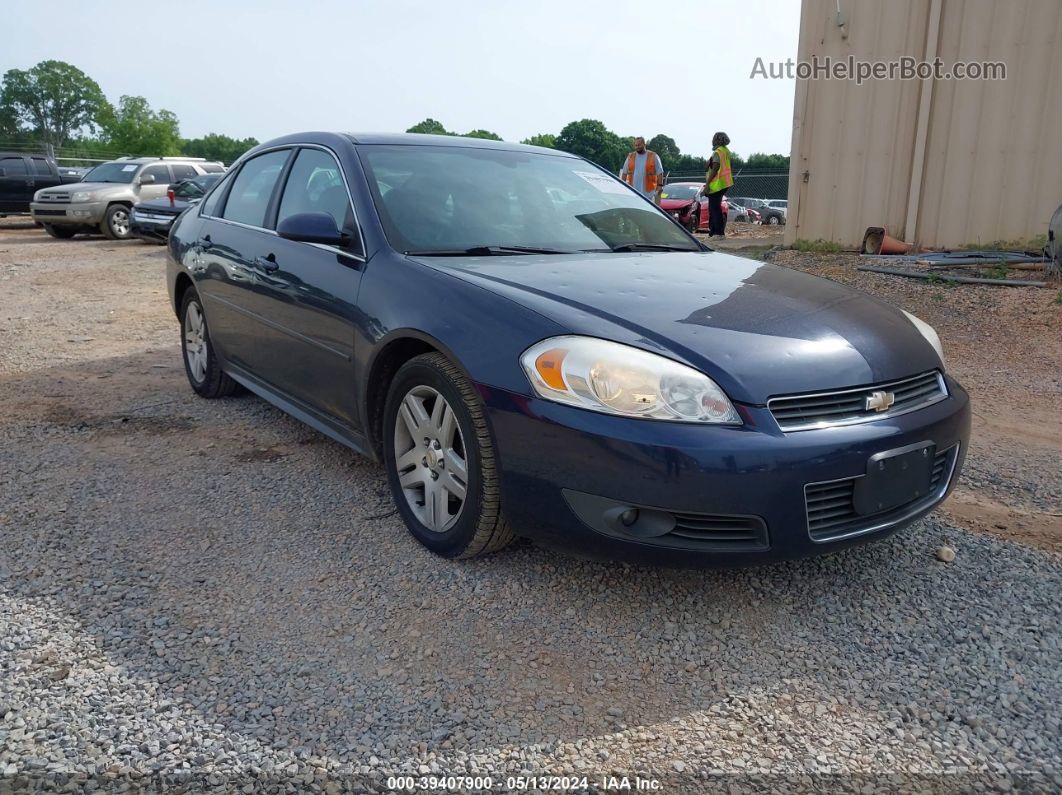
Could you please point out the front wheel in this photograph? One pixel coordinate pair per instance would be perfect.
(440, 459)
(115, 224)
(200, 364)
(60, 232)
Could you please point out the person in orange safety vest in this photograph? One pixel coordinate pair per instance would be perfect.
(643, 171)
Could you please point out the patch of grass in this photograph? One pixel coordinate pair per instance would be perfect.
(1032, 244)
(819, 246)
(1000, 271)
(1058, 298)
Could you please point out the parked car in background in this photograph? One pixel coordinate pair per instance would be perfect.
(687, 203)
(151, 220)
(768, 214)
(781, 205)
(22, 175)
(534, 349)
(101, 202)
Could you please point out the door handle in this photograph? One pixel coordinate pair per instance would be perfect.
(205, 242)
(267, 263)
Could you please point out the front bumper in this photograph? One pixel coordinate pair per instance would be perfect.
(551, 454)
(150, 225)
(68, 213)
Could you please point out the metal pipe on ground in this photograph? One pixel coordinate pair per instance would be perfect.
(959, 279)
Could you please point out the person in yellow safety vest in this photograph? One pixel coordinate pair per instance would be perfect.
(643, 171)
(718, 181)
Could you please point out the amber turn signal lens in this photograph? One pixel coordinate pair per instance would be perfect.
(548, 365)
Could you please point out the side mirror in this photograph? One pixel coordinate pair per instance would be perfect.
(315, 227)
(147, 179)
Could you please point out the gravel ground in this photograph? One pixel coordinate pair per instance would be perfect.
(208, 595)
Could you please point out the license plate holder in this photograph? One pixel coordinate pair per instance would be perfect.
(895, 478)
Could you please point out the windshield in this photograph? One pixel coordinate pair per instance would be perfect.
(112, 172)
(194, 188)
(448, 199)
(679, 191)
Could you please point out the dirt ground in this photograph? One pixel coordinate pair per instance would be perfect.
(211, 588)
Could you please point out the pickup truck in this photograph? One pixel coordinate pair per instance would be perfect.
(22, 175)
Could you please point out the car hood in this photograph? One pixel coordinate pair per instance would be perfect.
(759, 330)
(675, 204)
(70, 187)
(164, 206)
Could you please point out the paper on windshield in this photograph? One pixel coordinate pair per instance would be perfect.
(128, 168)
(603, 182)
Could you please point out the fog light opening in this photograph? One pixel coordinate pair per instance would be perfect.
(629, 517)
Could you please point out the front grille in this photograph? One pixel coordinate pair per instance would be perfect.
(709, 531)
(848, 406)
(832, 515)
(54, 198)
(50, 212)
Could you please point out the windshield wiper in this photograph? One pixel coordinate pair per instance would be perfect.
(487, 251)
(648, 247)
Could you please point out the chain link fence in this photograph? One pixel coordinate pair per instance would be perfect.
(749, 182)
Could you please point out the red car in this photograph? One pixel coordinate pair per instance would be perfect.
(687, 203)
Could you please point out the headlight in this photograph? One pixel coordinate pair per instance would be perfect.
(82, 196)
(617, 379)
(928, 332)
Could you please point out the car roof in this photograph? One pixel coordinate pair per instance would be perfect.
(163, 160)
(418, 139)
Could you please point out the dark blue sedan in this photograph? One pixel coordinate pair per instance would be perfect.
(533, 349)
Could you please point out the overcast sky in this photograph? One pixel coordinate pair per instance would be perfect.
(265, 68)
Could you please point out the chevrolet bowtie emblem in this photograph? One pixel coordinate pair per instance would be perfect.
(880, 400)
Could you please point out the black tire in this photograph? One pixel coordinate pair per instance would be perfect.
(481, 527)
(214, 383)
(695, 219)
(773, 220)
(115, 223)
(60, 232)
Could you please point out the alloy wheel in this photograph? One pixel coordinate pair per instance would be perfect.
(430, 458)
(120, 223)
(195, 342)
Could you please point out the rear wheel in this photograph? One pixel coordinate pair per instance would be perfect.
(200, 363)
(115, 223)
(60, 232)
(440, 460)
(773, 220)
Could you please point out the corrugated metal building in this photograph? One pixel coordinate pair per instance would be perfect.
(938, 162)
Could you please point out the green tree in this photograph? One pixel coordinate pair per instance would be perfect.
(665, 146)
(775, 162)
(215, 146)
(487, 134)
(53, 100)
(593, 140)
(547, 140)
(134, 128)
(429, 127)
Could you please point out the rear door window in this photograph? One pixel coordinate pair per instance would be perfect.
(13, 166)
(253, 187)
(183, 172)
(41, 167)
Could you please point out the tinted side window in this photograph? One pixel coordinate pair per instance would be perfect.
(210, 203)
(40, 165)
(183, 172)
(13, 166)
(160, 173)
(253, 187)
(315, 184)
